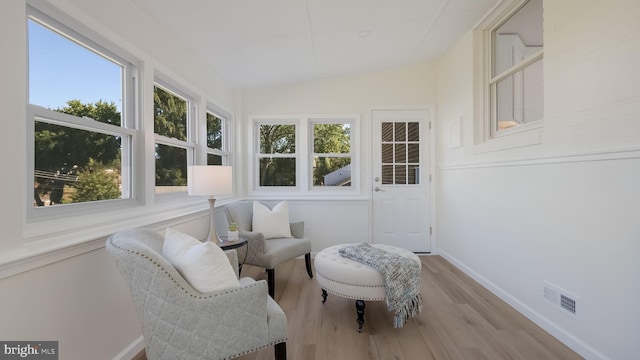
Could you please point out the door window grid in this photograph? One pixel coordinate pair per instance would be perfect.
(400, 147)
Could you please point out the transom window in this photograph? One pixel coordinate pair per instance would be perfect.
(82, 134)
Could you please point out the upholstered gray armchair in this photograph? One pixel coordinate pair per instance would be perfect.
(179, 322)
(268, 253)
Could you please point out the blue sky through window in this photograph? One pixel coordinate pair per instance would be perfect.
(61, 70)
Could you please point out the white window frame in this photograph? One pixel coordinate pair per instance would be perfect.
(351, 120)
(276, 120)
(127, 130)
(190, 144)
(486, 134)
(226, 126)
(304, 156)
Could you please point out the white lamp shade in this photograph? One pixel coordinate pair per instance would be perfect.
(209, 180)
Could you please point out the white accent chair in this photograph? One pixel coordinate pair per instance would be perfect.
(268, 253)
(178, 322)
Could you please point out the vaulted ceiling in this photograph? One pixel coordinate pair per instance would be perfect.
(254, 43)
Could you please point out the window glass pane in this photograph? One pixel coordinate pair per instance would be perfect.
(401, 153)
(277, 139)
(214, 132)
(332, 138)
(387, 131)
(401, 131)
(519, 37)
(519, 97)
(74, 165)
(277, 172)
(170, 114)
(387, 174)
(401, 174)
(332, 171)
(414, 153)
(171, 169)
(61, 71)
(214, 159)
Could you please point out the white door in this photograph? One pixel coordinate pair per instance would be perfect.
(400, 187)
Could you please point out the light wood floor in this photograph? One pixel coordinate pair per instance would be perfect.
(460, 320)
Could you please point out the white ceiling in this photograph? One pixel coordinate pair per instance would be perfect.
(254, 43)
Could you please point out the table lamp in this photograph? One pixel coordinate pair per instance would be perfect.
(210, 180)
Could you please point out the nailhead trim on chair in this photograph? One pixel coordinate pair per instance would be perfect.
(186, 291)
(199, 297)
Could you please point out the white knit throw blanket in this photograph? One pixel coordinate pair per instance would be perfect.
(401, 278)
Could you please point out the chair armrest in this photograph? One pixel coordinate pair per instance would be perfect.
(233, 260)
(297, 229)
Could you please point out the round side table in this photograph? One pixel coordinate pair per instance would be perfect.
(228, 245)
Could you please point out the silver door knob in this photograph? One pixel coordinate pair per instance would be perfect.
(377, 189)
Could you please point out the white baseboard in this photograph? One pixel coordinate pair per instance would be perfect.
(132, 350)
(575, 344)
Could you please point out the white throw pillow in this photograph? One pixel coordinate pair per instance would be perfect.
(272, 223)
(176, 244)
(203, 264)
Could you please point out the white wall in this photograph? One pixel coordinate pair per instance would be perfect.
(355, 94)
(566, 210)
(55, 288)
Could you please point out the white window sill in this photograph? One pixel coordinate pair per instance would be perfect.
(512, 141)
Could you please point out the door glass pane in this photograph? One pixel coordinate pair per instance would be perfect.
(387, 174)
(401, 153)
(401, 174)
(413, 153)
(387, 153)
(387, 131)
(401, 131)
(413, 131)
(414, 175)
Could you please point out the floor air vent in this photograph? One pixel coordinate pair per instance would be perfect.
(560, 299)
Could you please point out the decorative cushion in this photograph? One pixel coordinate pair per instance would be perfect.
(272, 223)
(203, 264)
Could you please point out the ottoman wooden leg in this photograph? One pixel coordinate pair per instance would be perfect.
(324, 296)
(360, 311)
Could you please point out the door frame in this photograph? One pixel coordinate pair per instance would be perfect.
(432, 168)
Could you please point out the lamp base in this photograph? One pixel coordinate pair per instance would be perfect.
(213, 236)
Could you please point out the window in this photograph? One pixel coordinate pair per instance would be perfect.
(305, 153)
(218, 139)
(400, 153)
(514, 82)
(276, 156)
(81, 135)
(331, 155)
(174, 149)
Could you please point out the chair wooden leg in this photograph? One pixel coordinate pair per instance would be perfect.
(281, 351)
(271, 281)
(307, 261)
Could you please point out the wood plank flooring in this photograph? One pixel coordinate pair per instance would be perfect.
(460, 320)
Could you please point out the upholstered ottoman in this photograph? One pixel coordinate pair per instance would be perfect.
(352, 280)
